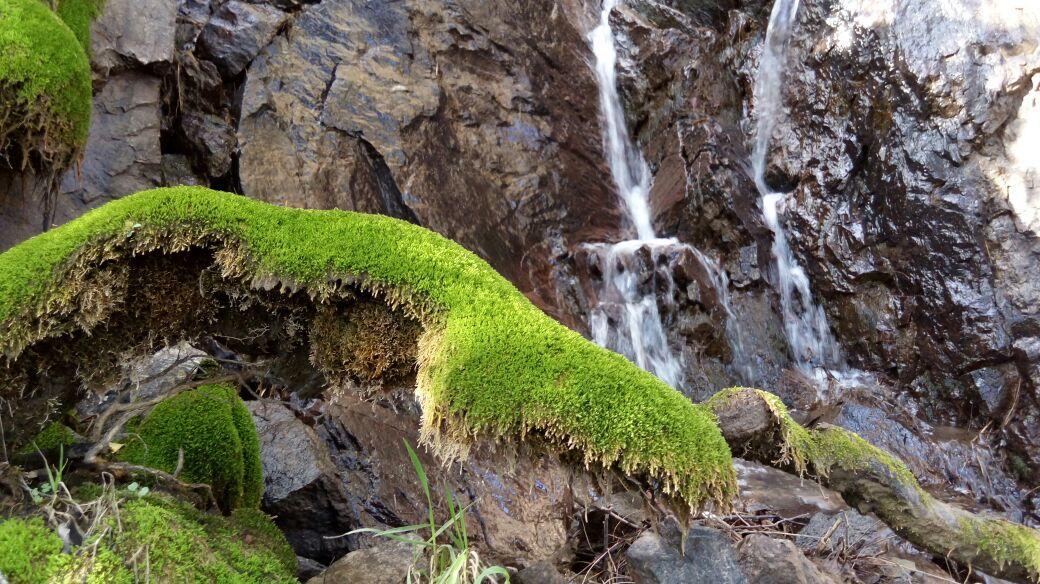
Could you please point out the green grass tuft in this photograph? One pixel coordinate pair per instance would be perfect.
(489, 360)
(216, 433)
(45, 86)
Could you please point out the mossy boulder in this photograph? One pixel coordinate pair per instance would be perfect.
(174, 541)
(45, 87)
(489, 362)
(215, 432)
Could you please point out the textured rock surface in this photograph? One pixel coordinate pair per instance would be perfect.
(773, 561)
(387, 563)
(706, 556)
(301, 485)
(473, 116)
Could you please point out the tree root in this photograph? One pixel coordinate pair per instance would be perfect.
(757, 424)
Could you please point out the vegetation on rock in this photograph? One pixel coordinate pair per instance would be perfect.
(489, 360)
(45, 87)
(210, 432)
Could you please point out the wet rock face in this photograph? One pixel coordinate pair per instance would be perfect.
(475, 117)
(902, 144)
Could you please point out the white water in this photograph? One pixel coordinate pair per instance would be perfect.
(805, 324)
(627, 317)
(627, 165)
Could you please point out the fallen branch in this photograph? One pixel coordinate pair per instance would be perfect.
(756, 424)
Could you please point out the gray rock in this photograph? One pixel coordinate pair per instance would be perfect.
(301, 485)
(147, 378)
(539, 573)
(307, 568)
(707, 556)
(214, 139)
(236, 34)
(849, 531)
(177, 170)
(130, 33)
(777, 561)
(123, 153)
(386, 563)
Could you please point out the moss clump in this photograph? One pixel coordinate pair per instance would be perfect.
(45, 88)
(51, 437)
(489, 360)
(371, 342)
(102, 567)
(78, 15)
(26, 550)
(216, 433)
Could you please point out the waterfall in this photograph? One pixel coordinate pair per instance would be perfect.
(637, 274)
(805, 324)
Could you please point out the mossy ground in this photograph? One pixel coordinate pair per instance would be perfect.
(489, 360)
(169, 540)
(215, 432)
(45, 87)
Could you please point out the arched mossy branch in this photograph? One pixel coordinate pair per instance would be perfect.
(756, 423)
(489, 361)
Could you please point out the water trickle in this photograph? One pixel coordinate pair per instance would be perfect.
(805, 324)
(627, 165)
(638, 274)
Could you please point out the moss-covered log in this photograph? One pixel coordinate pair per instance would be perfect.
(489, 362)
(757, 425)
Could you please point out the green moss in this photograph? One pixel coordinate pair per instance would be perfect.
(26, 550)
(822, 449)
(78, 15)
(45, 87)
(50, 437)
(215, 431)
(102, 567)
(1006, 542)
(252, 470)
(186, 545)
(489, 360)
(172, 540)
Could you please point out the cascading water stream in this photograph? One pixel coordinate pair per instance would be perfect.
(627, 316)
(805, 324)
